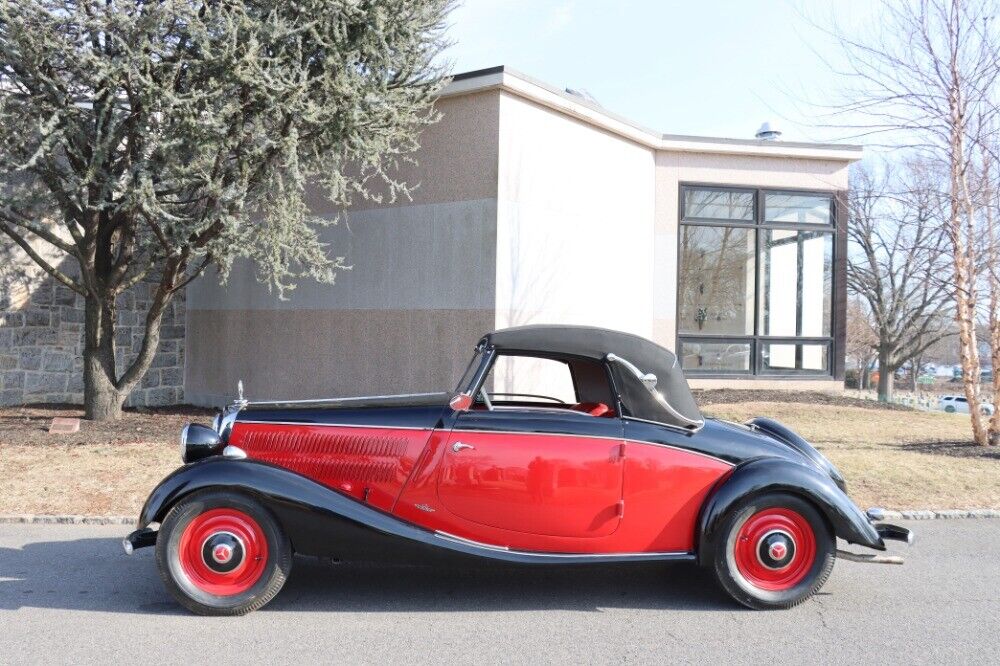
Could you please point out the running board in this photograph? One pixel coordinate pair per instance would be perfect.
(504, 553)
(870, 559)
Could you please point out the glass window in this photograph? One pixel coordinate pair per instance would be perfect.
(755, 281)
(712, 356)
(712, 204)
(796, 283)
(797, 209)
(531, 379)
(793, 357)
(716, 281)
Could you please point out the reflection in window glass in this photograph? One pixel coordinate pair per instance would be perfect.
(796, 283)
(716, 290)
(718, 205)
(780, 356)
(715, 356)
(534, 376)
(797, 208)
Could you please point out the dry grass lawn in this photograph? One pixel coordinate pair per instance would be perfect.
(891, 458)
(895, 458)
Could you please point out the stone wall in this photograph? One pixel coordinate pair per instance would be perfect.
(41, 345)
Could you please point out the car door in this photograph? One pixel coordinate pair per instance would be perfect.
(555, 472)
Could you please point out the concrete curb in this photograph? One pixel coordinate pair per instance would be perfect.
(30, 519)
(931, 514)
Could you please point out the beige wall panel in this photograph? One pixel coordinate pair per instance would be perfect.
(325, 353)
(457, 159)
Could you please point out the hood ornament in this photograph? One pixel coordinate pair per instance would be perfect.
(240, 401)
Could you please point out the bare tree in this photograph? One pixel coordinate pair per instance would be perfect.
(862, 342)
(927, 75)
(898, 253)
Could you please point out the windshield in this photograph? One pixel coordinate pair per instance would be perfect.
(470, 372)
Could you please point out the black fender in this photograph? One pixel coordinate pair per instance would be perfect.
(321, 521)
(768, 475)
(318, 520)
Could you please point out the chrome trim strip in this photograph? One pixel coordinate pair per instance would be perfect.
(544, 555)
(614, 439)
(500, 432)
(336, 425)
(349, 399)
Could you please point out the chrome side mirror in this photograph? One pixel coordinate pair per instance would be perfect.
(460, 402)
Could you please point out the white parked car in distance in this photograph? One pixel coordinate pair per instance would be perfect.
(958, 403)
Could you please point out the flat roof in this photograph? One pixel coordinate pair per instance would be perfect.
(522, 85)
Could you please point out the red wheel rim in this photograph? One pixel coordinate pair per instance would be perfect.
(775, 549)
(223, 552)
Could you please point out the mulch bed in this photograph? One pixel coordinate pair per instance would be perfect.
(954, 449)
(29, 425)
(730, 396)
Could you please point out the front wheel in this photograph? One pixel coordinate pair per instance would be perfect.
(774, 551)
(222, 553)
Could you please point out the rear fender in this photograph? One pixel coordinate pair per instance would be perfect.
(772, 475)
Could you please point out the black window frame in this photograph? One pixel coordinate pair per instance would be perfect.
(757, 341)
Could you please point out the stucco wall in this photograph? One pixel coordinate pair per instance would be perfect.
(574, 225)
(403, 319)
(673, 168)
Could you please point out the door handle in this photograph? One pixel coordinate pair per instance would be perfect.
(458, 446)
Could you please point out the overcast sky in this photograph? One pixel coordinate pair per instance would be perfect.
(712, 67)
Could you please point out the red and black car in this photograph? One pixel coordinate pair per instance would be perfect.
(618, 466)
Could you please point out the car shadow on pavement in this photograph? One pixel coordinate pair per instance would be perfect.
(94, 575)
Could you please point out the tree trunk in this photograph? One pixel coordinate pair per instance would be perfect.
(101, 398)
(963, 236)
(104, 389)
(885, 383)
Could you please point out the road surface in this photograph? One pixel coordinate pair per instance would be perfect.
(69, 594)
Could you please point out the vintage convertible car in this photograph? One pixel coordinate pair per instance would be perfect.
(619, 467)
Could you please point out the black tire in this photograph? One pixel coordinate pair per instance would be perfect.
(276, 569)
(743, 589)
(950, 409)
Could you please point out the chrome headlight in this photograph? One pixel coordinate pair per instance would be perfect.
(199, 441)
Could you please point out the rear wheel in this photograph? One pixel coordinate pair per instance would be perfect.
(774, 551)
(222, 553)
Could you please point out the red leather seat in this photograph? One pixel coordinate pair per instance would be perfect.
(593, 408)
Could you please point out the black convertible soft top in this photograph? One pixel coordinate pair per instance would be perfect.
(596, 343)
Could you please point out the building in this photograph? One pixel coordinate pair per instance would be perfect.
(536, 205)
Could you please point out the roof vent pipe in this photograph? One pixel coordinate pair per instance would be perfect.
(767, 132)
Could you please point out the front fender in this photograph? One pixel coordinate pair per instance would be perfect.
(317, 519)
(767, 475)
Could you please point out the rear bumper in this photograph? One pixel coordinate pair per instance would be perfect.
(887, 531)
(139, 539)
(894, 533)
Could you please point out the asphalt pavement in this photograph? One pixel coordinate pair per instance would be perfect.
(69, 595)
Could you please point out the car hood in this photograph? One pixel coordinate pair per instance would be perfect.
(421, 410)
